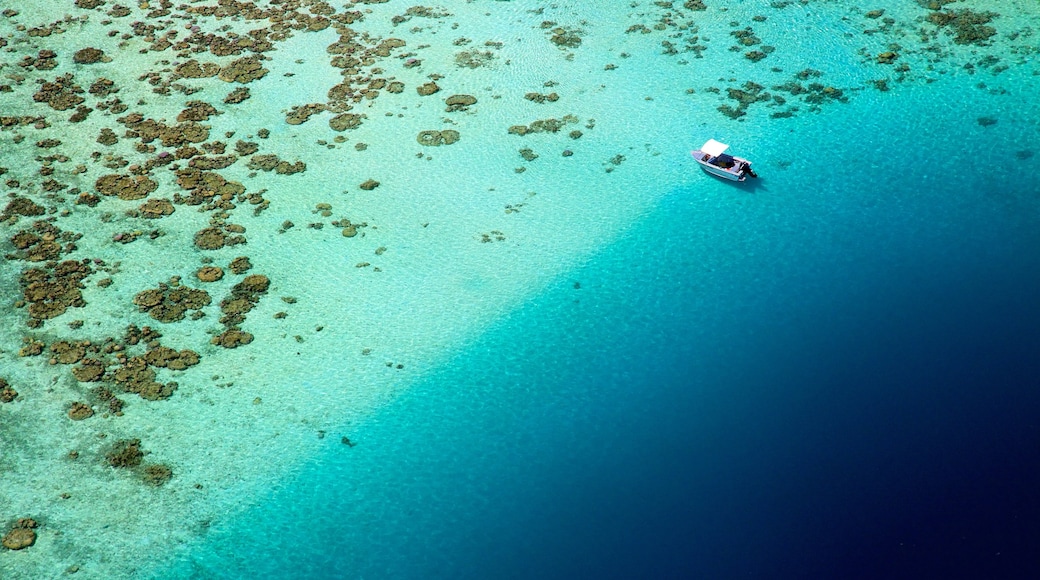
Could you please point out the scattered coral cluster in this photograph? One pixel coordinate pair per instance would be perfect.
(914, 48)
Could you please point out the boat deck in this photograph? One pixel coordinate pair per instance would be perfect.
(722, 163)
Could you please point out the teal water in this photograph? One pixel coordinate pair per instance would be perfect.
(550, 355)
(833, 376)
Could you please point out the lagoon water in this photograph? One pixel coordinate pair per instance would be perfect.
(607, 364)
(847, 397)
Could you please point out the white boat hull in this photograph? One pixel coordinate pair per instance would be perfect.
(731, 168)
(718, 172)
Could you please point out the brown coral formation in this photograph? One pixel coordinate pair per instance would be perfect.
(51, 293)
(103, 87)
(246, 147)
(128, 187)
(67, 353)
(197, 111)
(60, 95)
(300, 114)
(157, 474)
(32, 347)
(273, 162)
(434, 138)
(251, 286)
(37, 244)
(237, 96)
(89, 370)
(194, 70)
(148, 130)
(80, 411)
(156, 208)
(244, 297)
(211, 163)
(107, 137)
(244, 70)
(966, 25)
(427, 89)
(211, 238)
(345, 121)
(125, 453)
(887, 57)
(132, 373)
(7, 392)
(166, 357)
(135, 376)
(206, 187)
(550, 125)
(89, 55)
(21, 535)
(21, 206)
(209, 274)
(114, 403)
(459, 102)
(169, 303)
(232, 338)
(240, 265)
(542, 98)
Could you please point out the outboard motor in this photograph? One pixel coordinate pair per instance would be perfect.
(745, 169)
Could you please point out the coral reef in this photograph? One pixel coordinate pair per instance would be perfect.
(966, 25)
(274, 163)
(434, 138)
(427, 89)
(240, 265)
(459, 102)
(80, 411)
(156, 208)
(51, 293)
(169, 303)
(125, 453)
(89, 370)
(128, 187)
(7, 392)
(550, 125)
(209, 273)
(157, 474)
(89, 56)
(21, 206)
(244, 70)
(21, 535)
(345, 121)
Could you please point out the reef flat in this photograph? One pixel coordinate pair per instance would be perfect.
(232, 228)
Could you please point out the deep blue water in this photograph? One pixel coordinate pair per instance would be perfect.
(869, 409)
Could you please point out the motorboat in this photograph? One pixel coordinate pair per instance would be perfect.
(714, 160)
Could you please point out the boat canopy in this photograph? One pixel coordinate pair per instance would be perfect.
(714, 148)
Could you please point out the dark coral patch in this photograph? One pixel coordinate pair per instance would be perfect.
(125, 186)
(89, 56)
(169, 304)
(125, 453)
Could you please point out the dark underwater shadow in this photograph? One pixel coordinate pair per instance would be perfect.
(749, 185)
(752, 185)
